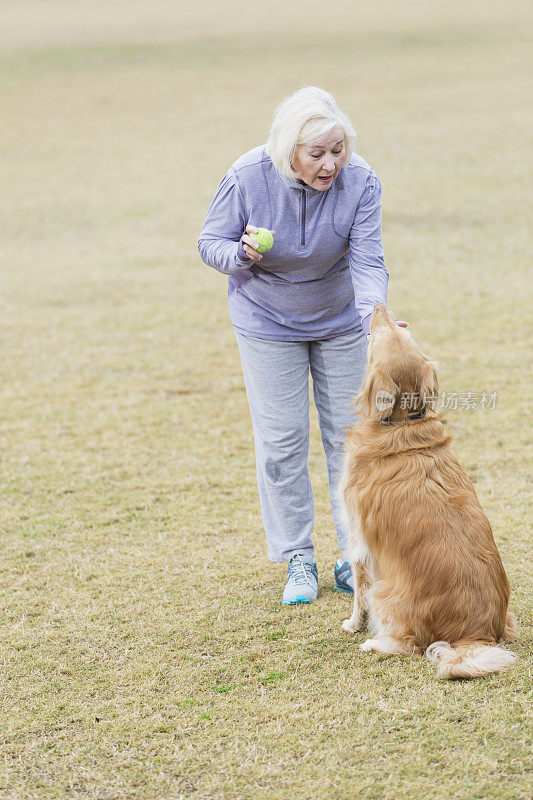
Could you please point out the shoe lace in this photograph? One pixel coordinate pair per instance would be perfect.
(300, 570)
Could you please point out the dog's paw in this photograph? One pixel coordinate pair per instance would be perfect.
(367, 646)
(349, 626)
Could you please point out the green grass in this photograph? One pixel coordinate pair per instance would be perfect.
(145, 653)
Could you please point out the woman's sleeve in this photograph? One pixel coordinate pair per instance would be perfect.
(369, 274)
(220, 243)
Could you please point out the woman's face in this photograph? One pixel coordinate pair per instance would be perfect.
(318, 164)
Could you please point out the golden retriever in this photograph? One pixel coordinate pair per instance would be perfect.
(424, 561)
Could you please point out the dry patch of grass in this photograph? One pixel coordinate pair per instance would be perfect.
(145, 653)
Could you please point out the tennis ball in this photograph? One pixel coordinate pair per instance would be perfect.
(264, 239)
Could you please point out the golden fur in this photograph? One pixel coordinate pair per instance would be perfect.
(425, 564)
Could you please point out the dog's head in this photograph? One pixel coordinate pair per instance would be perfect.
(399, 379)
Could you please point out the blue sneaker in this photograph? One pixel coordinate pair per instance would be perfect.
(343, 577)
(302, 580)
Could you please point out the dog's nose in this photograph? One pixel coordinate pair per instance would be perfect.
(382, 315)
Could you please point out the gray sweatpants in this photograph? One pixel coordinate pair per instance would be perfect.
(276, 375)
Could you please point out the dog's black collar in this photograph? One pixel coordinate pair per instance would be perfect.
(413, 415)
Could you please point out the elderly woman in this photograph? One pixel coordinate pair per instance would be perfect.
(304, 306)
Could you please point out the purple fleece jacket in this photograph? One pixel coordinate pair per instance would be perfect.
(325, 271)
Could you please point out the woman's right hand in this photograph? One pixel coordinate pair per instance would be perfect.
(250, 245)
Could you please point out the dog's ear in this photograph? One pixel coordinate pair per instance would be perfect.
(429, 385)
(378, 395)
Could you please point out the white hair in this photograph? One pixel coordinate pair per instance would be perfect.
(304, 118)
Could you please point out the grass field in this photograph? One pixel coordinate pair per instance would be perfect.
(145, 653)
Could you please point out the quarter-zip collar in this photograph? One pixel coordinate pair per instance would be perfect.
(303, 205)
(305, 191)
(302, 186)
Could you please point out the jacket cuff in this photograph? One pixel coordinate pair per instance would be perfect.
(365, 322)
(242, 258)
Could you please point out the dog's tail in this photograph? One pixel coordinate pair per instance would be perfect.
(468, 659)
